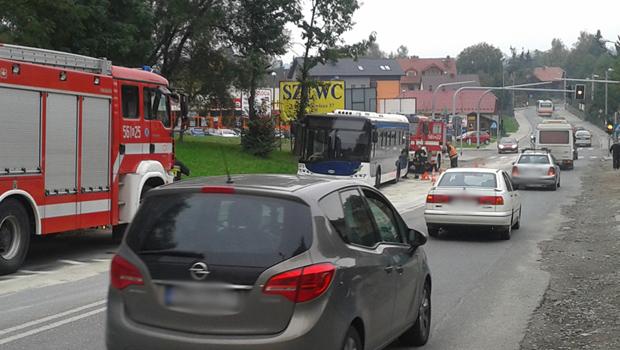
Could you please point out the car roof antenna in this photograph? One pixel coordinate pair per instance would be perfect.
(229, 179)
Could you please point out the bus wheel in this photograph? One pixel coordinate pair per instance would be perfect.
(378, 178)
(15, 233)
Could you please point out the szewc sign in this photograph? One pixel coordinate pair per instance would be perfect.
(325, 97)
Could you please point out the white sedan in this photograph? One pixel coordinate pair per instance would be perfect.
(475, 197)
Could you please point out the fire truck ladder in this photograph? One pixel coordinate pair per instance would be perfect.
(56, 58)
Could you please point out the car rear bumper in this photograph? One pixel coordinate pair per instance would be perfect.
(304, 332)
(583, 143)
(440, 217)
(534, 181)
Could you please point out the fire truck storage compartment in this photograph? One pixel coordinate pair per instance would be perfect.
(20, 131)
(61, 144)
(95, 144)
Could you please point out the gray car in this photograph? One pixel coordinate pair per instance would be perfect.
(536, 168)
(268, 262)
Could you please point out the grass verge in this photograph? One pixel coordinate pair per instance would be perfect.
(204, 156)
(511, 125)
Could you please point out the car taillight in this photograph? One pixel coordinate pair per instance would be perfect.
(437, 198)
(551, 171)
(124, 274)
(301, 285)
(515, 171)
(491, 200)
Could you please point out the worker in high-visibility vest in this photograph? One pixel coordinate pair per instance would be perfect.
(454, 155)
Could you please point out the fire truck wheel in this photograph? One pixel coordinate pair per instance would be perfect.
(15, 230)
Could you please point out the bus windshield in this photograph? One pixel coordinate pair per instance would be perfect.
(336, 144)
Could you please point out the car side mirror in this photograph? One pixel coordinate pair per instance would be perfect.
(417, 238)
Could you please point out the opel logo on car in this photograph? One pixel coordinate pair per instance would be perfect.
(199, 271)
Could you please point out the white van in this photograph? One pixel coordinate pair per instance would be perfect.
(557, 137)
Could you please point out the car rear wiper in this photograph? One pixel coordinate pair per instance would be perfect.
(171, 252)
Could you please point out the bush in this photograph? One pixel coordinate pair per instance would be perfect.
(259, 138)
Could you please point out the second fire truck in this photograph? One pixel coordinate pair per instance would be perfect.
(81, 141)
(428, 134)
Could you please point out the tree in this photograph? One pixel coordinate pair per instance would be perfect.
(402, 52)
(117, 29)
(322, 36)
(257, 31)
(374, 51)
(482, 59)
(179, 26)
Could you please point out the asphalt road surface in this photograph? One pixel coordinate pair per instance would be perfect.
(484, 290)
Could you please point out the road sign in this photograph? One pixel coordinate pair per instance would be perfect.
(494, 125)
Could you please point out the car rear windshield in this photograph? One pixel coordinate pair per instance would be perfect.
(534, 159)
(468, 179)
(223, 229)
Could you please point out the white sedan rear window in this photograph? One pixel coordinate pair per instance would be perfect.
(468, 179)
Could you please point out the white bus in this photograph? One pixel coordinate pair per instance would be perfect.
(557, 137)
(365, 146)
(545, 108)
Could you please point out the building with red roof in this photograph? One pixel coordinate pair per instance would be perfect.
(416, 68)
(466, 104)
(549, 73)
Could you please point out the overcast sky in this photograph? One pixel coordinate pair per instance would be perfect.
(436, 28)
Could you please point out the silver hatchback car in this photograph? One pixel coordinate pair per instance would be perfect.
(536, 168)
(268, 262)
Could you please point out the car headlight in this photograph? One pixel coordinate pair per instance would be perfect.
(514, 146)
(501, 146)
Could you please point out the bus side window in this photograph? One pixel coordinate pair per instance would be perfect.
(130, 98)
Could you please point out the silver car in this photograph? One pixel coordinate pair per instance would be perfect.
(473, 197)
(536, 168)
(583, 138)
(268, 262)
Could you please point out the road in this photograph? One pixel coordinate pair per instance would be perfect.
(484, 290)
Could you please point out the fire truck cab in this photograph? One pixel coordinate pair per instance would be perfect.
(427, 134)
(80, 142)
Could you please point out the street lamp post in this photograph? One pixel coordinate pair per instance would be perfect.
(439, 87)
(606, 88)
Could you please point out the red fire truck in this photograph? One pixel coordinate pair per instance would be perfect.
(427, 134)
(81, 141)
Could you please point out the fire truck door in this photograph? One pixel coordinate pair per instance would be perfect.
(159, 122)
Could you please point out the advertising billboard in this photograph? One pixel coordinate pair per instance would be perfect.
(325, 97)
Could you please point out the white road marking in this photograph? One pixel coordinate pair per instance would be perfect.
(101, 260)
(50, 326)
(49, 318)
(37, 272)
(71, 262)
(503, 157)
(593, 157)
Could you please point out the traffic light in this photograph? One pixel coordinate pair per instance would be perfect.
(609, 127)
(580, 92)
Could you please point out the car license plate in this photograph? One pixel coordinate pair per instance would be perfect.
(201, 298)
(463, 202)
